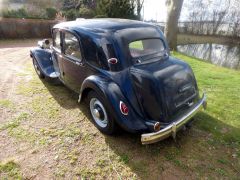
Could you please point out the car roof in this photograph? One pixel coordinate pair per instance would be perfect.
(102, 24)
(112, 31)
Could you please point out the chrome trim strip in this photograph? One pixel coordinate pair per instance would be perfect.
(172, 129)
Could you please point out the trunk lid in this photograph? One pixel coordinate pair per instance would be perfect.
(164, 88)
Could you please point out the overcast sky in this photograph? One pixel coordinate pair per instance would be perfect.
(155, 9)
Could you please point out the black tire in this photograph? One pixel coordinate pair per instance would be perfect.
(108, 127)
(38, 69)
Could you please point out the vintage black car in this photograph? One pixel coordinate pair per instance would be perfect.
(122, 68)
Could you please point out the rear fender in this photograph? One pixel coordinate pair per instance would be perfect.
(44, 60)
(113, 96)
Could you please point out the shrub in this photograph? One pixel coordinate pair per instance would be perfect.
(22, 13)
(71, 14)
(101, 16)
(116, 9)
(86, 12)
(60, 17)
(19, 13)
(51, 13)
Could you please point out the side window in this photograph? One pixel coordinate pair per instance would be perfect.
(71, 46)
(90, 51)
(57, 39)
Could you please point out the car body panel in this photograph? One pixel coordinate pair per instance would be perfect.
(158, 85)
(113, 94)
(44, 60)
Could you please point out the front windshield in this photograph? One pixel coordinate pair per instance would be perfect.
(146, 47)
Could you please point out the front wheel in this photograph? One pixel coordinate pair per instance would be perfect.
(99, 111)
(37, 69)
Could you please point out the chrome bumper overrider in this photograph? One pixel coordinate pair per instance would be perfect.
(172, 129)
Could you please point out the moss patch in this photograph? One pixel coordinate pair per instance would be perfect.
(10, 169)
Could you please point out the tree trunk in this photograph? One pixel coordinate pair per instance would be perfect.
(139, 8)
(171, 28)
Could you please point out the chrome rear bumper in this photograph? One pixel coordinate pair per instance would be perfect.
(172, 129)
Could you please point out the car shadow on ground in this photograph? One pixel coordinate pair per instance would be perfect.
(173, 156)
(65, 97)
(155, 159)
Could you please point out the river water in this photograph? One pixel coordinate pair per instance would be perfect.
(222, 55)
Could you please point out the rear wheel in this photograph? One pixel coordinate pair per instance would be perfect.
(38, 70)
(99, 111)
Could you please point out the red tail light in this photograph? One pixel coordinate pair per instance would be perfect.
(112, 61)
(123, 108)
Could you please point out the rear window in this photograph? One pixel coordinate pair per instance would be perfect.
(146, 47)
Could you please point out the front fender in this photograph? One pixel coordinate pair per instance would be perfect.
(44, 60)
(113, 95)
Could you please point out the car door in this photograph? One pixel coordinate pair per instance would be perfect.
(57, 52)
(73, 67)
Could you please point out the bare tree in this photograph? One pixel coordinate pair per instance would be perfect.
(218, 17)
(171, 28)
(71, 4)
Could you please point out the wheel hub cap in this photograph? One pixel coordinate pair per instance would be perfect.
(98, 112)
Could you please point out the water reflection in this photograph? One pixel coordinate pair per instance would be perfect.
(223, 55)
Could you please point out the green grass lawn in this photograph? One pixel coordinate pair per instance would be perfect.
(223, 91)
(52, 135)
